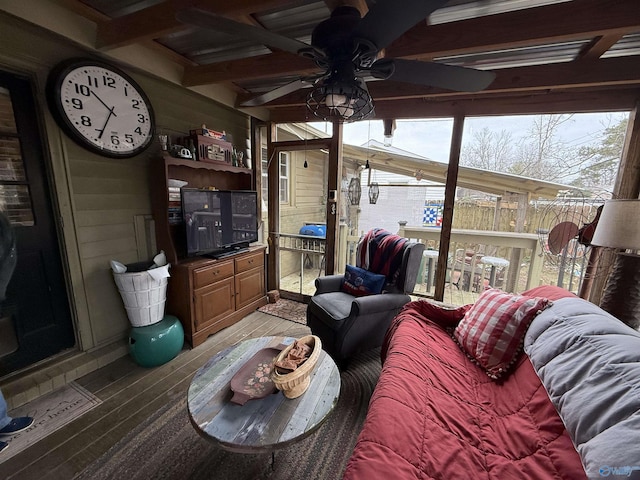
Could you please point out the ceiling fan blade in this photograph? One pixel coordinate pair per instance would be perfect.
(278, 92)
(211, 21)
(388, 19)
(451, 77)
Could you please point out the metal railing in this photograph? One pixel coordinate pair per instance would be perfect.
(305, 245)
(292, 242)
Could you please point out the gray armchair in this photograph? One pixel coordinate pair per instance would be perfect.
(347, 324)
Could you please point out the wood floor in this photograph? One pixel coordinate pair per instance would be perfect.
(129, 394)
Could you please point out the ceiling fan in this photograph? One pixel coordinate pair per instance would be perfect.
(347, 48)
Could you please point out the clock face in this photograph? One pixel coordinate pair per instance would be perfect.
(101, 108)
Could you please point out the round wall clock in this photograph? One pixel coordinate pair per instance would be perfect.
(100, 107)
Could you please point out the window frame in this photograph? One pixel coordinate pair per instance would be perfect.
(284, 181)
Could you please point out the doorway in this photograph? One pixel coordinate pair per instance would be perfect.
(302, 209)
(35, 319)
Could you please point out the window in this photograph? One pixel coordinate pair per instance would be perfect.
(284, 177)
(283, 173)
(15, 197)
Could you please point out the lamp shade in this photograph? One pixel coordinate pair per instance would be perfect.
(619, 226)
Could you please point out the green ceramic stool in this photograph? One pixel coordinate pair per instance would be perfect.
(156, 344)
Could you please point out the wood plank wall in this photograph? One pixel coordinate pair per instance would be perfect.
(99, 199)
(109, 194)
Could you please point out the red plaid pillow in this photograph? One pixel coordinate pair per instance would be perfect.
(492, 331)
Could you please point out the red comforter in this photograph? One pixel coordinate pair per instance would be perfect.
(436, 415)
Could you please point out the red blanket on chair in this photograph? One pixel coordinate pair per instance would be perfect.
(380, 251)
(436, 415)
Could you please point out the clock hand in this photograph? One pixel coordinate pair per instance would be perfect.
(105, 122)
(111, 112)
(105, 105)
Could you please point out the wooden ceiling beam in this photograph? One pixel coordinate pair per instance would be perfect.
(84, 10)
(610, 72)
(146, 24)
(361, 5)
(158, 20)
(531, 26)
(260, 66)
(598, 46)
(586, 100)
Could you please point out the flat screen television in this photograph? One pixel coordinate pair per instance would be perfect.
(219, 222)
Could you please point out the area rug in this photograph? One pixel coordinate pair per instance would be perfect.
(167, 446)
(50, 412)
(287, 309)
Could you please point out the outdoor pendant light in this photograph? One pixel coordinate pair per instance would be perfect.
(374, 192)
(354, 191)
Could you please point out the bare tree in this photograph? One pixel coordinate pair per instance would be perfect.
(541, 154)
(489, 150)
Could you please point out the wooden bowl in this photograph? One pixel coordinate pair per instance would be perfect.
(296, 383)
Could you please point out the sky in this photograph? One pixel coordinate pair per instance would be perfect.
(431, 138)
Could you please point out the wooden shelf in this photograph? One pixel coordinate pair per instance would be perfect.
(205, 294)
(205, 165)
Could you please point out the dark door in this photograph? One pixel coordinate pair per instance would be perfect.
(35, 320)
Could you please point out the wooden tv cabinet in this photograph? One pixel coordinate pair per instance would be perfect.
(205, 294)
(208, 295)
(170, 236)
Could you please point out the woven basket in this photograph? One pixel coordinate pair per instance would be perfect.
(144, 298)
(296, 383)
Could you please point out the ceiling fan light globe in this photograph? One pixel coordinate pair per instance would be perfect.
(334, 100)
(345, 111)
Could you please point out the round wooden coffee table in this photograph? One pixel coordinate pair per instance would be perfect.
(261, 424)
